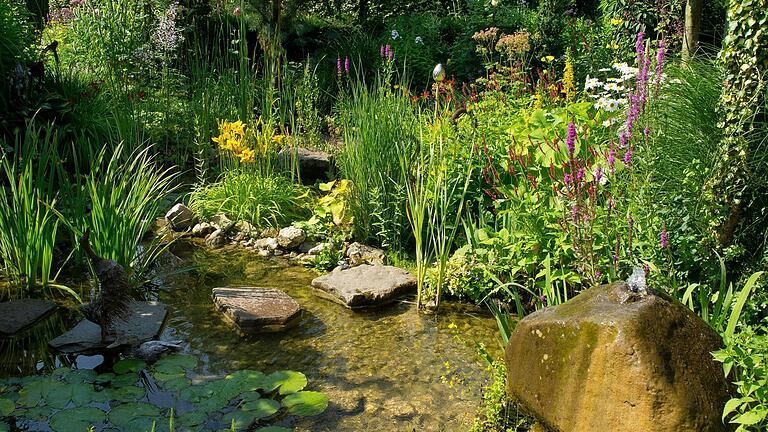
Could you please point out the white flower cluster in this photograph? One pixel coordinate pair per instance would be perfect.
(611, 95)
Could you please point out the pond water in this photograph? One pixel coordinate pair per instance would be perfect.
(383, 370)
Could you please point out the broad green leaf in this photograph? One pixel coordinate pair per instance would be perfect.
(124, 415)
(273, 429)
(126, 394)
(730, 406)
(261, 408)
(178, 360)
(240, 420)
(34, 393)
(193, 418)
(306, 403)
(750, 418)
(6, 407)
(129, 365)
(77, 419)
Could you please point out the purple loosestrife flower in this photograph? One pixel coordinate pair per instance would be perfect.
(664, 239)
(567, 178)
(639, 48)
(615, 261)
(580, 175)
(575, 213)
(647, 131)
(622, 140)
(381, 52)
(646, 270)
(598, 275)
(612, 160)
(570, 140)
(630, 222)
(388, 52)
(346, 65)
(338, 65)
(628, 157)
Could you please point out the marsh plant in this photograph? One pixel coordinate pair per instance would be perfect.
(378, 123)
(28, 225)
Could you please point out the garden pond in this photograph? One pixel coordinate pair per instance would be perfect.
(386, 369)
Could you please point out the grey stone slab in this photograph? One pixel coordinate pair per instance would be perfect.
(145, 323)
(365, 285)
(257, 310)
(18, 315)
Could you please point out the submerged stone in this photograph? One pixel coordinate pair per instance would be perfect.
(257, 310)
(611, 360)
(145, 322)
(18, 315)
(365, 285)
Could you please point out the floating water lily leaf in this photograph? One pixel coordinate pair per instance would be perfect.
(193, 418)
(38, 413)
(58, 394)
(176, 384)
(6, 407)
(126, 394)
(288, 381)
(244, 381)
(33, 393)
(77, 419)
(104, 378)
(306, 403)
(128, 365)
(4, 427)
(174, 362)
(125, 415)
(273, 429)
(239, 419)
(83, 376)
(261, 408)
(125, 380)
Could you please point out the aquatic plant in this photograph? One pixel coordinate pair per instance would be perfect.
(74, 400)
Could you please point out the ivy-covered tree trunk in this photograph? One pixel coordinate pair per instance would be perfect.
(735, 185)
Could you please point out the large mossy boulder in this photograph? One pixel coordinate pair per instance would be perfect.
(613, 360)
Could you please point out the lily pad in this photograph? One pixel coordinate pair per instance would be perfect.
(176, 384)
(125, 416)
(193, 418)
(34, 393)
(175, 362)
(6, 407)
(4, 426)
(128, 365)
(288, 381)
(239, 420)
(125, 380)
(126, 394)
(306, 403)
(273, 429)
(261, 408)
(77, 419)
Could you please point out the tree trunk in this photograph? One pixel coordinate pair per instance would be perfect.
(693, 11)
(277, 6)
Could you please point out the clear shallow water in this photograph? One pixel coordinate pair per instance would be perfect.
(388, 370)
(391, 369)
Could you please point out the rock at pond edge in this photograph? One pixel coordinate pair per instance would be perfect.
(597, 364)
(18, 315)
(365, 285)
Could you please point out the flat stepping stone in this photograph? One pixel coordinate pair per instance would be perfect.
(145, 322)
(19, 315)
(365, 285)
(257, 310)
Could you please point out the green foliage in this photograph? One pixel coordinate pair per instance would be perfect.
(745, 359)
(74, 400)
(16, 46)
(28, 226)
(264, 201)
(498, 413)
(118, 201)
(736, 190)
(376, 124)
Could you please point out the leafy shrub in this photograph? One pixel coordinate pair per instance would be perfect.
(264, 201)
(745, 359)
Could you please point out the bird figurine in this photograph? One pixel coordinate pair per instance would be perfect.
(115, 294)
(151, 351)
